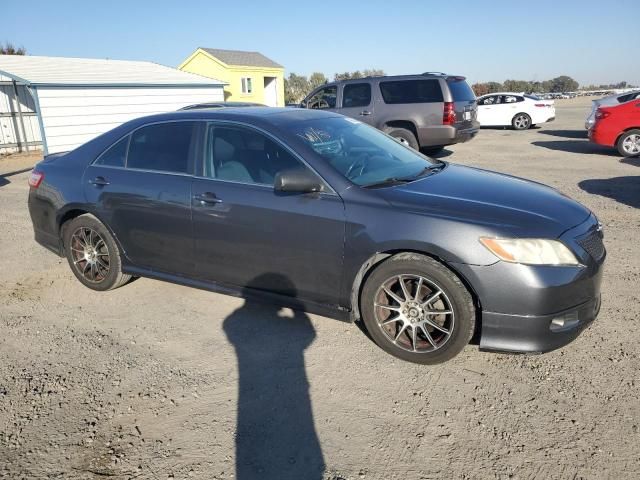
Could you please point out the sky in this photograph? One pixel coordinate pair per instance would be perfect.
(591, 41)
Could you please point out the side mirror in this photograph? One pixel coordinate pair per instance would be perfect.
(298, 180)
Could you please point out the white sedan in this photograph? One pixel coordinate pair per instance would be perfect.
(521, 111)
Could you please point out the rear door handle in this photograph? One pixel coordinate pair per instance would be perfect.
(99, 182)
(207, 198)
(365, 112)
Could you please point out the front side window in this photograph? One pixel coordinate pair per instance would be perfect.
(361, 153)
(411, 91)
(247, 87)
(164, 147)
(356, 95)
(116, 155)
(323, 98)
(243, 155)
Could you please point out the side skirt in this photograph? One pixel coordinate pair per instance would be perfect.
(331, 311)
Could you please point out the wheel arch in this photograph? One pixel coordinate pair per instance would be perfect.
(628, 129)
(76, 211)
(406, 124)
(380, 257)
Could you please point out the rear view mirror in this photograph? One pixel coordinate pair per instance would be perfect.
(299, 180)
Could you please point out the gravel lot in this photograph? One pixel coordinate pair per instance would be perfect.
(159, 381)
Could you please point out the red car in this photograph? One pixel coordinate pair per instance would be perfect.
(618, 126)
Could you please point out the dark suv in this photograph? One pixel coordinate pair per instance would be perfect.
(427, 111)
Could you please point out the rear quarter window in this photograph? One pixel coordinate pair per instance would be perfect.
(460, 91)
(411, 91)
(115, 155)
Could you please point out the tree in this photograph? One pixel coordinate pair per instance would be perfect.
(9, 49)
(372, 72)
(316, 79)
(295, 88)
(563, 83)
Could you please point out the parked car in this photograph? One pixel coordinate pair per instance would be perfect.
(221, 105)
(318, 211)
(427, 111)
(618, 126)
(518, 110)
(607, 102)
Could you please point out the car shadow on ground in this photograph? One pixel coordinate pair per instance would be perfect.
(625, 190)
(441, 154)
(275, 435)
(4, 177)
(635, 161)
(566, 133)
(576, 146)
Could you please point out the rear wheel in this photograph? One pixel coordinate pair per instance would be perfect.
(521, 121)
(629, 143)
(93, 254)
(417, 309)
(405, 137)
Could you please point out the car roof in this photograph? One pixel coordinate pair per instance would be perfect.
(520, 94)
(257, 115)
(415, 76)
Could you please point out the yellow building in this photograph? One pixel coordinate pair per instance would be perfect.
(251, 77)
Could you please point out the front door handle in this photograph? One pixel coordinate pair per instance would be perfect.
(207, 198)
(99, 182)
(365, 112)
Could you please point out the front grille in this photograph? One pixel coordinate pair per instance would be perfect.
(593, 245)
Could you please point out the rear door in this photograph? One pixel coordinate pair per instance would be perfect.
(464, 103)
(357, 102)
(141, 188)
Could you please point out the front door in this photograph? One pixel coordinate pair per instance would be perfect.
(141, 188)
(248, 235)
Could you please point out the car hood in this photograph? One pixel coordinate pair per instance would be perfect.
(504, 204)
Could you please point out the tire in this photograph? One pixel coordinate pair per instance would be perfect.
(431, 345)
(404, 136)
(432, 150)
(92, 253)
(628, 144)
(521, 121)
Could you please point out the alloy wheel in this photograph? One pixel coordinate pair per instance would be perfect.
(90, 254)
(521, 122)
(631, 144)
(414, 313)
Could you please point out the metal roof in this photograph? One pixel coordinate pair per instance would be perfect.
(239, 57)
(58, 71)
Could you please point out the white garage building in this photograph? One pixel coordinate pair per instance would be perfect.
(57, 104)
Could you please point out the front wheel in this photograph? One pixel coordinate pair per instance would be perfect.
(93, 254)
(629, 143)
(416, 309)
(521, 121)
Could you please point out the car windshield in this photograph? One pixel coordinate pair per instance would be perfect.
(363, 154)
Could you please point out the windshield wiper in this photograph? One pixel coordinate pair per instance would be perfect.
(388, 182)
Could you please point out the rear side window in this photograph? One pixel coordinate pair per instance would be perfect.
(162, 147)
(411, 91)
(461, 91)
(356, 95)
(114, 156)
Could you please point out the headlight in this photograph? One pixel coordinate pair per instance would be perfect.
(531, 251)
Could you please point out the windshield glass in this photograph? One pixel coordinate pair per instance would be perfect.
(361, 153)
(460, 90)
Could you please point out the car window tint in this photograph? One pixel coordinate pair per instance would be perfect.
(460, 90)
(163, 147)
(115, 155)
(356, 95)
(411, 91)
(243, 155)
(323, 98)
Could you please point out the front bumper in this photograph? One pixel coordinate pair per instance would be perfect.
(528, 308)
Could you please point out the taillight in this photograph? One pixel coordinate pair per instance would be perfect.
(600, 114)
(449, 116)
(35, 179)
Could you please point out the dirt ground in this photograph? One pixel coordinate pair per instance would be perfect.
(156, 381)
